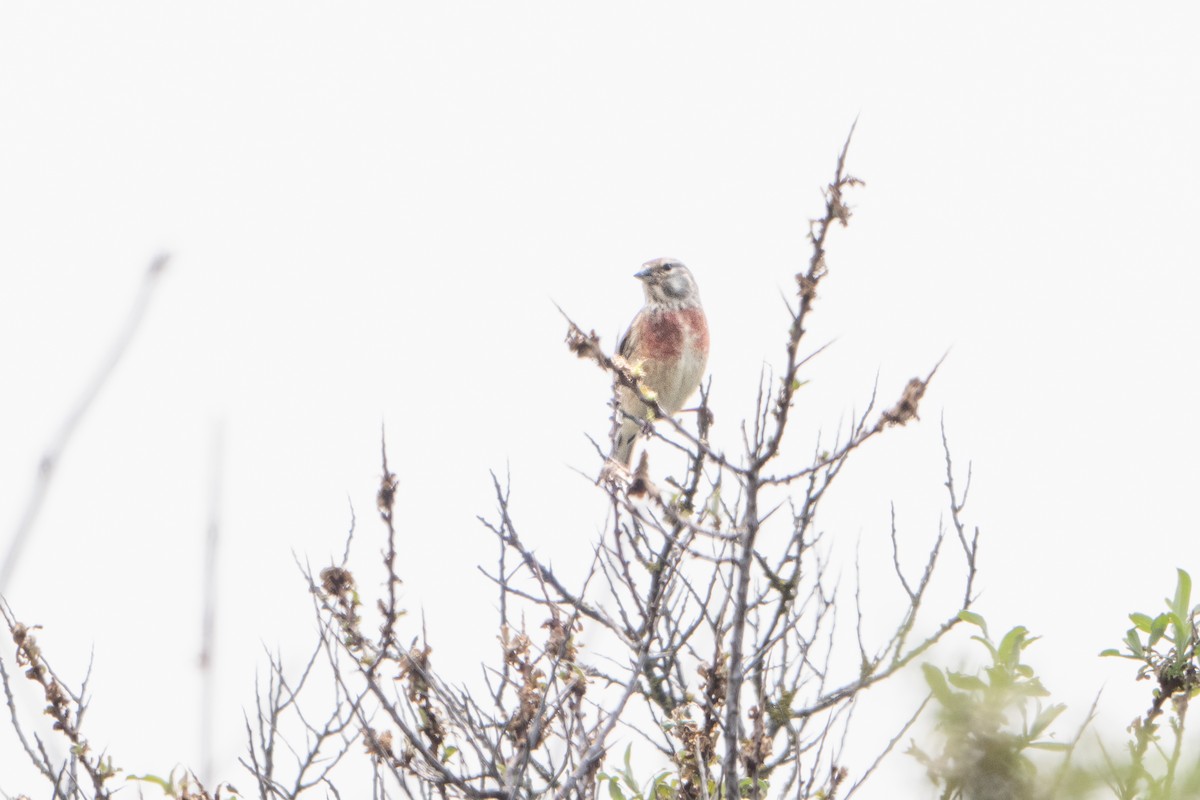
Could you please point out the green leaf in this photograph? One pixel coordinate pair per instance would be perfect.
(630, 780)
(1057, 747)
(1032, 687)
(986, 643)
(920, 755)
(165, 785)
(614, 789)
(1141, 621)
(1183, 593)
(745, 785)
(970, 683)
(1112, 651)
(1181, 618)
(1135, 644)
(937, 684)
(974, 619)
(1173, 620)
(661, 788)
(1044, 718)
(1011, 646)
(1158, 627)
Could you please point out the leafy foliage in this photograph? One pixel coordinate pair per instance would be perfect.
(989, 720)
(993, 722)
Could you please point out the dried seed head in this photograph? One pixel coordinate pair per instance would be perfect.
(336, 581)
(906, 408)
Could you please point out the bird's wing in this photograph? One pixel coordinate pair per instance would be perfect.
(629, 340)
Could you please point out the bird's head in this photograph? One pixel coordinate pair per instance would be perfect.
(668, 282)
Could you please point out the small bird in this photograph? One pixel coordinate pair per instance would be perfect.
(667, 343)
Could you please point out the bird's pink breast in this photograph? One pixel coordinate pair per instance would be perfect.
(666, 332)
(697, 324)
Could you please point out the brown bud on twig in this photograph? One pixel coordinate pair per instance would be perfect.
(559, 642)
(757, 748)
(837, 776)
(906, 408)
(584, 345)
(414, 665)
(378, 746)
(387, 494)
(808, 281)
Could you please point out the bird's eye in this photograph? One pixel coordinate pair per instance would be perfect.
(667, 267)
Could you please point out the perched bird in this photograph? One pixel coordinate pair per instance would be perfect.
(667, 344)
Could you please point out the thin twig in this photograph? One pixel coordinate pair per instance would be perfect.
(54, 452)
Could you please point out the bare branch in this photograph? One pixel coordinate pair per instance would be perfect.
(54, 452)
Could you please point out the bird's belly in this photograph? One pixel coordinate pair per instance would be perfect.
(678, 384)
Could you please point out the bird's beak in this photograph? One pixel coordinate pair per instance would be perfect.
(641, 276)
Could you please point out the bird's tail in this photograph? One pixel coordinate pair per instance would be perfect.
(627, 434)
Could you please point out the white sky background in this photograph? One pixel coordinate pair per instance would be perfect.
(371, 209)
